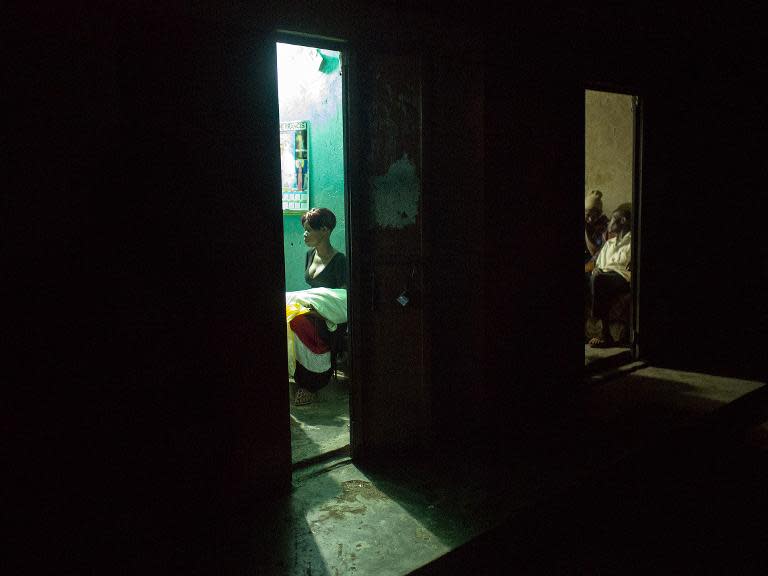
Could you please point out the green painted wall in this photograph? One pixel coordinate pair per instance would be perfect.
(310, 89)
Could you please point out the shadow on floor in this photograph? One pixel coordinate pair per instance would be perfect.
(281, 538)
(321, 426)
(624, 478)
(692, 508)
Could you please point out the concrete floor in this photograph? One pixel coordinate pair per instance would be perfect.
(695, 506)
(323, 425)
(394, 517)
(598, 358)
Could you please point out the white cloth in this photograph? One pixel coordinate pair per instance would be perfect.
(310, 360)
(330, 303)
(615, 256)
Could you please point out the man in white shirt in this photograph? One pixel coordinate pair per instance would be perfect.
(612, 275)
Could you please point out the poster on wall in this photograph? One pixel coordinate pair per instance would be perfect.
(294, 165)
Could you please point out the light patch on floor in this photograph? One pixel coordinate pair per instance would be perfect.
(593, 355)
(359, 529)
(699, 385)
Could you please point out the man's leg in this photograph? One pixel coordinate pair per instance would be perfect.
(606, 286)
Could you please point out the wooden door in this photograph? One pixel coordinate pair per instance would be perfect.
(389, 405)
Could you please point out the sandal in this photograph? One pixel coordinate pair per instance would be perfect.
(303, 396)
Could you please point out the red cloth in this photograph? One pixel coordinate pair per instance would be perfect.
(305, 330)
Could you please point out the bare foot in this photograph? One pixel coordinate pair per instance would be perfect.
(600, 342)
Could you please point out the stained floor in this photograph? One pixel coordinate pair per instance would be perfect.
(397, 516)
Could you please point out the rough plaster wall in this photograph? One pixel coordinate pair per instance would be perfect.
(314, 96)
(608, 147)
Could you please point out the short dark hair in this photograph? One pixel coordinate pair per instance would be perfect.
(625, 210)
(319, 217)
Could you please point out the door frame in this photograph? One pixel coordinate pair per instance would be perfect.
(637, 184)
(350, 219)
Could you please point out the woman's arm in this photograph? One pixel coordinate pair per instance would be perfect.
(591, 246)
(341, 271)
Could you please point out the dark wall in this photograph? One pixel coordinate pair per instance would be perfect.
(155, 277)
(533, 163)
(454, 204)
(704, 200)
(704, 269)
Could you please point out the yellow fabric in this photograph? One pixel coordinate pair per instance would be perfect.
(292, 311)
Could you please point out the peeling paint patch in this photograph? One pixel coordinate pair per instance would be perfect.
(396, 195)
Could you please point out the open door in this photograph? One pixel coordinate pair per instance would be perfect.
(375, 193)
(315, 219)
(391, 409)
(611, 237)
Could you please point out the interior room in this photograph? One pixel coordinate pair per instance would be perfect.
(150, 424)
(312, 174)
(609, 181)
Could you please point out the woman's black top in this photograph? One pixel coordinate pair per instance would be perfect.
(334, 275)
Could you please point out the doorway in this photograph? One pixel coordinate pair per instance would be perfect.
(315, 235)
(612, 145)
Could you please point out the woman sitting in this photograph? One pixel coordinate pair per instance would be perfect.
(595, 228)
(324, 267)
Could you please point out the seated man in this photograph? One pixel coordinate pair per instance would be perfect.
(611, 275)
(595, 228)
